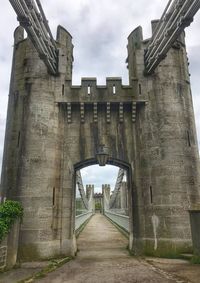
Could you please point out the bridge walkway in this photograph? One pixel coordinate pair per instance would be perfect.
(103, 257)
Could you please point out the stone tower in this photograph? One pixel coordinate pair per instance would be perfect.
(167, 158)
(34, 148)
(54, 129)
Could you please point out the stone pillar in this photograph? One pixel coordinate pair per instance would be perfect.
(167, 170)
(195, 230)
(11, 153)
(32, 162)
(89, 194)
(9, 247)
(12, 243)
(89, 191)
(123, 193)
(106, 196)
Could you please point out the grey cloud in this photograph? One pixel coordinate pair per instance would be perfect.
(100, 175)
(100, 30)
(2, 133)
(194, 59)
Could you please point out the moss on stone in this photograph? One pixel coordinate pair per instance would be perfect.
(195, 259)
(28, 253)
(167, 249)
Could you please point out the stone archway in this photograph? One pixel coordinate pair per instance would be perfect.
(53, 125)
(132, 203)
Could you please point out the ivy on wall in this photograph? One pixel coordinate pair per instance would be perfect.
(9, 211)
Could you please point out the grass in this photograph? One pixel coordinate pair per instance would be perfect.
(52, 266)
(195, 259)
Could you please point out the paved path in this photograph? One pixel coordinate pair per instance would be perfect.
(103, 257)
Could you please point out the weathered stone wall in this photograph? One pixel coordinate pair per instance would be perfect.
(195, 230)
(32, 158)
(3, 254)
(90, 120)
(167, 162)
(54, 129)
(9, 247)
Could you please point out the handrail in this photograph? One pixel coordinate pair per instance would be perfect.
(82, 214)
(82, 218)
(119, 219)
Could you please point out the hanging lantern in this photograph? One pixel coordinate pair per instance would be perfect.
(102, 155)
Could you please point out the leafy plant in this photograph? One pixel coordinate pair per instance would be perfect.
(9, 211)
(97, 206)
(195, 259)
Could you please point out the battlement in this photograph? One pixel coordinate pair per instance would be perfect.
(89, 190)
(111, 82)
(106, 187)
(91, 187)
(113, 87)
(89, 91)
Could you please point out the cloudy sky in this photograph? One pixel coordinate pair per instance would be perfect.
(100, 30)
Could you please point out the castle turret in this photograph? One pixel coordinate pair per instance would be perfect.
(33, 148)
(167, 160)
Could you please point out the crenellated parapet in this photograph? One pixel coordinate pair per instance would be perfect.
(89, 91)
(89, 191)
(109, 98)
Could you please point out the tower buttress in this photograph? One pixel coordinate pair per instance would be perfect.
(167, 161)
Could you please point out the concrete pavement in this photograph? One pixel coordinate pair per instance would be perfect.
(103, 257)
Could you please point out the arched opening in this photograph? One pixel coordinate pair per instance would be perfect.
(105, 191)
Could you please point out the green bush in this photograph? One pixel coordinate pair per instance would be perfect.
(9, 212)
(195, 259)
(97, 206)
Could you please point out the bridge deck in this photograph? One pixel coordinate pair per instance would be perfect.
(103, 257)
(100, 239)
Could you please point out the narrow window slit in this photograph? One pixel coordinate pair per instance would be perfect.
(151, 194)
(114, 89)
(89, 89)
(188, 137)
(18, 139)
(140, 89)
(63, 89)
(54, 196)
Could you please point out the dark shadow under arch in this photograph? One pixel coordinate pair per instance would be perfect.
(111, 161)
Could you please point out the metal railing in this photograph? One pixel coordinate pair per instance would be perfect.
(82, 218)
(120, 177)
(119, 219)
(84, 203)
(177, 15)
(31, 16)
